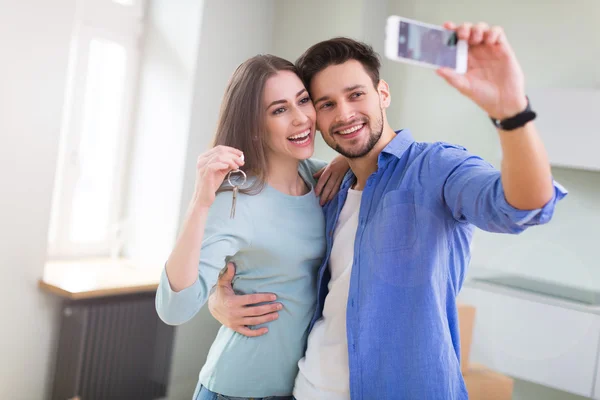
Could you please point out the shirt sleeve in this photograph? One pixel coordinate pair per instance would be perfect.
(472, 190)
(223, 238)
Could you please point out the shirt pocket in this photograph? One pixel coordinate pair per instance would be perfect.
(393, 227)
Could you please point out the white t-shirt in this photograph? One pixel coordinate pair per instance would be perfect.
(324, 372)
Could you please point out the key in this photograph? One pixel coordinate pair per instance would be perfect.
(235, 192)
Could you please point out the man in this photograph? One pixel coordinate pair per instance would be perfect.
(398, 233)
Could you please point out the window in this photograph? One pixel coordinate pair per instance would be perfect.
(88, 195)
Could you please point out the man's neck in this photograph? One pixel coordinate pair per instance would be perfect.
(364, 166)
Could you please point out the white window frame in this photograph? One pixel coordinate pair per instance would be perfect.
(95, 19)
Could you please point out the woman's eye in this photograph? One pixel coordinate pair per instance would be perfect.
(278, 111)
(305, 100)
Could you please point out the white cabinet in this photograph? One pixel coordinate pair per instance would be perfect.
(527, 339)
(569, 126)
(597, 386)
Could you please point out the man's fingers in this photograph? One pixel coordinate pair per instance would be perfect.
(256, 311)
(322, 182)
(327, 192)
(478, 32)
(317, 174)
(494, 35)
(226, 275)
(249, 299)
(251, 332)
(450, 25)
(464, 31)
(335, 188)
(263, 319)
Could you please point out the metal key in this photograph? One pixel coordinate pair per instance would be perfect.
(235, 190)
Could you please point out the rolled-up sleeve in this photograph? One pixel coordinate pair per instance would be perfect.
(521, 219)
(223, 238)
(472, 189)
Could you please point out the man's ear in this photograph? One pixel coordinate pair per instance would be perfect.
(385, 98)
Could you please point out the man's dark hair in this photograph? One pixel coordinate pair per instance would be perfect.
(334, 52)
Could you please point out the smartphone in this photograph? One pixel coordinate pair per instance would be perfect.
(423, 44)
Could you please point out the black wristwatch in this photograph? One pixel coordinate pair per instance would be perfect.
(517, 121)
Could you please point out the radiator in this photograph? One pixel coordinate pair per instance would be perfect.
(112, 348)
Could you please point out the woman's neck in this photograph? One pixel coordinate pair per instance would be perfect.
(283, 175)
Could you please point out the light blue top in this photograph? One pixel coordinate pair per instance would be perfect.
(277, 242)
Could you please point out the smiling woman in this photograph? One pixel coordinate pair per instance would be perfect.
(276, 238)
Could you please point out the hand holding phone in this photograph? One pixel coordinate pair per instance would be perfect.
(423, 44)
(494, 80)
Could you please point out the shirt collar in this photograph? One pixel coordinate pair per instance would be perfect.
(398, 145)
(396, 148)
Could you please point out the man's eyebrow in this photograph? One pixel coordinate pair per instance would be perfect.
(347, 89)
(352, 88)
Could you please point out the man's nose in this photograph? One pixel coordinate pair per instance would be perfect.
(345, 112)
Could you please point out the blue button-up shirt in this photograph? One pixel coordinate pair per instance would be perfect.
(416, 220)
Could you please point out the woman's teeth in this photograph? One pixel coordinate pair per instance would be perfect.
(351, 130)
(301, 137)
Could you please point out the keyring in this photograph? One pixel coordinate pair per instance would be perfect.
(233, 172)
(235, 190)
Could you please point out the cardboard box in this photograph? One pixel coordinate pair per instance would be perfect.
(466, 323)
(485, 384)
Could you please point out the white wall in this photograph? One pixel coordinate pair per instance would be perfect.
(232, 31)
(34, 38)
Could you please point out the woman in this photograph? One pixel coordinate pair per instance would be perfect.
(275, 235)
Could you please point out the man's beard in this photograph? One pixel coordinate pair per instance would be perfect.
(375, 135)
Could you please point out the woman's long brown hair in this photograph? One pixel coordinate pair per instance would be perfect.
(242, 117)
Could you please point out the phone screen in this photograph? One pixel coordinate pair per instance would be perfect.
(425, 44)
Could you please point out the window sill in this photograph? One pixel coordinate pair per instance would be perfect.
(93, 278)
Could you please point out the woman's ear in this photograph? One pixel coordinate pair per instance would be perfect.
(385, 97)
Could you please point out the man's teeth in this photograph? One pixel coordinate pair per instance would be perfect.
(300, 136)
(350, 130)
